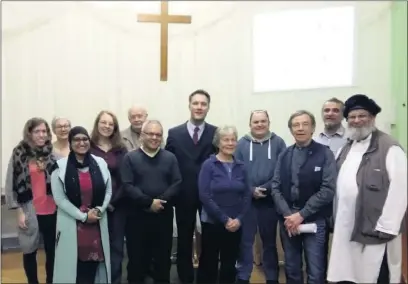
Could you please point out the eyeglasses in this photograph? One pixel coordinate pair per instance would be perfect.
(359, 117)
(65, 126)
(151, 135)
(80, 139)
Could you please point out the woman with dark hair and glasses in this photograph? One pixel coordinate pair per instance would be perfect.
(28, 189)
(82, 190)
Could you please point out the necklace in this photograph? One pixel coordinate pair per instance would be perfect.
(40, 164)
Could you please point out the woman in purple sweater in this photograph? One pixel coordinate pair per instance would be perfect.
(107, 143)
(225, 196)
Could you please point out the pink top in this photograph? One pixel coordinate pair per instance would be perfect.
(44, 204)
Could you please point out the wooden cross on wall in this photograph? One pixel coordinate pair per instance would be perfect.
(164, 19)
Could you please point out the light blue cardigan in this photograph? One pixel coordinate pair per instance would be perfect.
(66, 252)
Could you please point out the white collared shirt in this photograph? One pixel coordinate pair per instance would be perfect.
(191, 127)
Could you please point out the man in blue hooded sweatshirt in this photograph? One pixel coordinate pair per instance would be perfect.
(259, 150)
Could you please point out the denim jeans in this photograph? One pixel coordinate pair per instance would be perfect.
(313, 246)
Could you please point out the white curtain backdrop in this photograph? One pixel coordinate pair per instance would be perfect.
(76, 58)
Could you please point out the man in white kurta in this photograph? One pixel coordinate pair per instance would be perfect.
(352, 261)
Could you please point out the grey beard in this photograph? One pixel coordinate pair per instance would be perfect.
(361, 133)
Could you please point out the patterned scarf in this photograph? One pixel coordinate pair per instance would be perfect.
(23, 153)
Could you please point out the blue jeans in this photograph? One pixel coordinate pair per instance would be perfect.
(266, 220)
(313, 246)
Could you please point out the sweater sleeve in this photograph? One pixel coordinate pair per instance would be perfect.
(130, 189)
(247, 197)
(204, 189)
(280, 148)
(11, 195)
(175, 182)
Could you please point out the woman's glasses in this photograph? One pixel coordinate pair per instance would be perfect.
(80, 139)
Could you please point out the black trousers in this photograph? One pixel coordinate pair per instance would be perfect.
(218, 245)
(186, 214)
(86, 272)
(47, 227)
(117, 221)
(149, 246)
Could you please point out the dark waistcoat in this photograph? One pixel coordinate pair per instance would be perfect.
(309, 176)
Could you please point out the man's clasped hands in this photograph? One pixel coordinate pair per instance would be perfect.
(292, 222)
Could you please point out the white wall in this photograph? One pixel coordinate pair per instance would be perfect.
(75, 60)
(371, 71)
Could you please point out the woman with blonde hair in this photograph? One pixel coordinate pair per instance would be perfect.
(60, 127)
(28, 189)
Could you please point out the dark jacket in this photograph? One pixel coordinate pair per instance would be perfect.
(223, 194)
(316, 183)
(190, 157)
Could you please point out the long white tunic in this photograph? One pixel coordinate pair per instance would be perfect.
(348, 260)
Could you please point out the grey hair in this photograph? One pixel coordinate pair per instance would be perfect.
(222, 131)
(55, 120)
(299, 113)
(151, 121)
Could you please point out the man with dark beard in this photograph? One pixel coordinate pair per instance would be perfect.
(333, 134)
(370, 202)
(334, 137)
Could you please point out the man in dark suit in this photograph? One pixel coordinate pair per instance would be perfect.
(191, 143)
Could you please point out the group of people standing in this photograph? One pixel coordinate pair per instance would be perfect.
(86, 193)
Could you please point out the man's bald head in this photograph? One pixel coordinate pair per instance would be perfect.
(137, 115)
